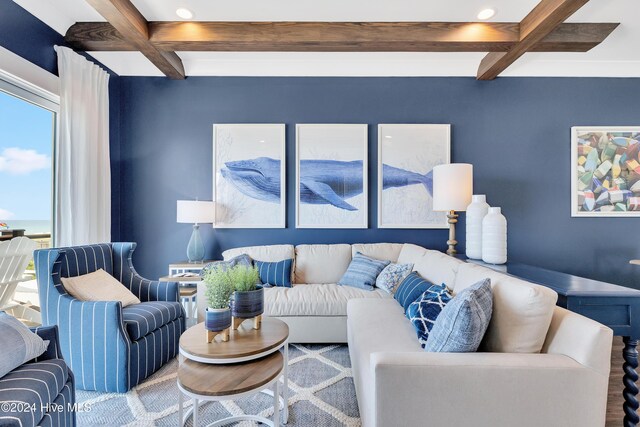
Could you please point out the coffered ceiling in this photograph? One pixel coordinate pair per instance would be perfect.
(617, 56)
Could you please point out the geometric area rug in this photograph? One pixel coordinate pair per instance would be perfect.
(321, 394)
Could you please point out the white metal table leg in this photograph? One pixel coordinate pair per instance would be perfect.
(276, 404)
(180, 414)
(195, 412)
(285, 391)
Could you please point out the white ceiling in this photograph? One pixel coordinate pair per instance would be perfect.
(618, 56)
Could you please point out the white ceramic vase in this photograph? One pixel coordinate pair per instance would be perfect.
(476, 212)
(494, 237)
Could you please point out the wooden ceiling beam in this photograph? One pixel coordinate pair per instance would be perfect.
(130, 27)
(546, 17)
(337, 36)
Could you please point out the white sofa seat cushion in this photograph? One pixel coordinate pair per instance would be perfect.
(382, 251)
(314, 300)
(321, 263)
(375, 326)
(522, 310)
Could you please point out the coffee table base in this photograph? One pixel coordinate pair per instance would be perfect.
(199, 400)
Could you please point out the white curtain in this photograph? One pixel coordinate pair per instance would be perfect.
(83, 175)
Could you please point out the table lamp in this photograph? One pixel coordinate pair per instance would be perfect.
(195, 212)
(452, 190)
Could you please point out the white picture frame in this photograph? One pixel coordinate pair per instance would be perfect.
(605, 206)
(319, 148)
(241, 200)
(406, 155)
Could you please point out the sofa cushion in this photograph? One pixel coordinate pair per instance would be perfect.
(462, 323)
(362, 272)
(275, 273)
(522, 310)
(321, 263)
(392, 275)
(381, 251)
(269, 253)
(141, 319)
(314, 300)
(243, 259)
(424, 311)
(19, 344)
(410, 253)
(36, 384)
(437, 267)
(410, 290)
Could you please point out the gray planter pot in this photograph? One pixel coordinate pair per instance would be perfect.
(245, 305)
(217, 319)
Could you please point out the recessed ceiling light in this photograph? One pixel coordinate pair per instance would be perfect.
(486, 14)
(184, 13)
(388, 136)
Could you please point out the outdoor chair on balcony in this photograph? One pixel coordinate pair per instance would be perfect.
(15, 255)
(109, 348)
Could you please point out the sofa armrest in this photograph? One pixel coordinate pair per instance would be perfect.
(49, 333)
(485, 389)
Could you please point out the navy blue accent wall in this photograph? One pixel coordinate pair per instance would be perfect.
(516, 132)
(30, 38)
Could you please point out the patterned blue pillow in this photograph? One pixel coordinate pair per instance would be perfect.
(275, 273)
(362, 272)
(392, 276)
(410, 289)
(424, 311)
(243, 259)
(463, 322)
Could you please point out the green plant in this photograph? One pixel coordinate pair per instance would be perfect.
(244, 278)
(219, 287)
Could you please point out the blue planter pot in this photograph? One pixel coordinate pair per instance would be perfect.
(245, 305)
(217, 320)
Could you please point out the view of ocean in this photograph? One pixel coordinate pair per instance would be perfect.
(30, 226)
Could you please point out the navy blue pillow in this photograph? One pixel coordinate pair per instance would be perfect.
(424, 311)
(410, 289)
(275, 273)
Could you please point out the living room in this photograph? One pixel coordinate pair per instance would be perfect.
(150, 151)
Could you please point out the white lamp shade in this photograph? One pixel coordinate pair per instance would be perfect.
(452, 187)
(196, 212)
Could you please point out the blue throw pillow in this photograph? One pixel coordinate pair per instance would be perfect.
(392, 276)
(463, 321)
(362, 272)
(410, 289)
(20, 343)
(424, 311)
(275, 273)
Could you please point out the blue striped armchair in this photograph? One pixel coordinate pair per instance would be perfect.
(109, 348)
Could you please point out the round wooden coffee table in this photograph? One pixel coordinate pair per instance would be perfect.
(208, 382)
(246, 347)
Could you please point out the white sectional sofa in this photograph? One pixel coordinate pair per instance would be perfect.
(538, 365)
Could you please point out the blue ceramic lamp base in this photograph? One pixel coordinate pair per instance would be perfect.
(195, 249)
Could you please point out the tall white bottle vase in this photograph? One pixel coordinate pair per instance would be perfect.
(494, 237)
(476, 212)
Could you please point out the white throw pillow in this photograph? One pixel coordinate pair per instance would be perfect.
(99, 286)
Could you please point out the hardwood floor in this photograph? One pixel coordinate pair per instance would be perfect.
(615, 414)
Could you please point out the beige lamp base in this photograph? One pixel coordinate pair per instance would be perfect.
(452, 217)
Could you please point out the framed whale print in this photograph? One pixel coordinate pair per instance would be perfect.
(249, 175)
(331, 176)
(407, 154)
(605, 171)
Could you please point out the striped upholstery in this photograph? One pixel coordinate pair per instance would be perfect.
(140, 319)
(41, 384)
(275, 273)
(93, 334)
(411, 289)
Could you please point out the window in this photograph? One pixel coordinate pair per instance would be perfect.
(27, 144)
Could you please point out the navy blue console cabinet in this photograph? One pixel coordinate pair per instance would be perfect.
(615, 306)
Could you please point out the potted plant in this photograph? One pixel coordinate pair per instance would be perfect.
(248, 299)
(218, 292)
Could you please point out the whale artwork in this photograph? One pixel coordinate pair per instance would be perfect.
(328, 182)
